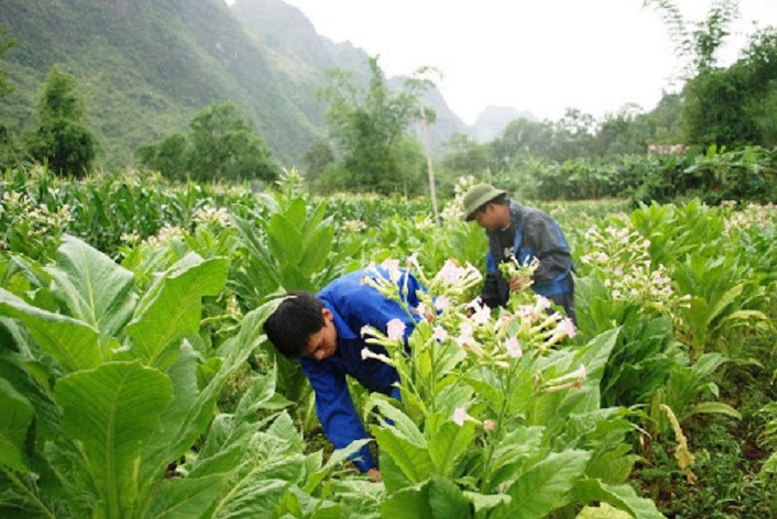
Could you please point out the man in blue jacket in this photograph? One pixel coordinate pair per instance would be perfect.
(324, 333)
(523, 233)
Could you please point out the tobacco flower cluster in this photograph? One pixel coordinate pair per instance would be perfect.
(487, 338)
(35, 227)
(621, 256)
(752, 216)
(453, 212)
(166, 234)
(218, 217)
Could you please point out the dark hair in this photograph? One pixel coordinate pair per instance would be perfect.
(297, 318)
(502, 199)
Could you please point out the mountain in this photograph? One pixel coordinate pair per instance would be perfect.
(145, 68)
(493, 120)
(303, 56)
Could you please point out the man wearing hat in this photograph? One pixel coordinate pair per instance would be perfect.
(523, 233)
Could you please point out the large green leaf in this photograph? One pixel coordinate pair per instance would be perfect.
(402, 426)
(185, 498)
(191, 411)
(14, 421)
(72, 343)
(317, 250)
(545, 486)
(296, 213)
(172, 308)
(486, 501)
(622, 496)
(550, 408)
(717, 408)
(112, 412)
(412, 460)
(337, 458)
(437, 498)
(447, 443)
(284, 240)
(31, 379)
(408, 503)
(446, 499)
(510, 452)
(253, 499)
(270, 466)
(93, 287)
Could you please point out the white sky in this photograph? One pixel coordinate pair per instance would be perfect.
(538, 55)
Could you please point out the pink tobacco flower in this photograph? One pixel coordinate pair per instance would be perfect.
(513, 348)
(395, 329)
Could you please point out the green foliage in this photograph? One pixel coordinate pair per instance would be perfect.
(318, 157)
(499, 384)
(221, 146)
(117, 393)
(61, 139)
(147, 69)
(5, 44)
(6, 138)
(371, 131)
(159, 342)
(731, 107)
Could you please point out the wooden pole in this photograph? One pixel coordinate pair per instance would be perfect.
(429, 167)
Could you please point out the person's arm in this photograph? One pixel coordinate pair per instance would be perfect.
(336, 412)
(554, 258)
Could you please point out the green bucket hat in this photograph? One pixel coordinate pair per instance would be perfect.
(479, 195)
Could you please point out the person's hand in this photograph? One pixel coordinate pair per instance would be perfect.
(374, 475)
(519, 283)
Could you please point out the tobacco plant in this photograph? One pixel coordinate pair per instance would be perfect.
(499, 416)
(103, 396)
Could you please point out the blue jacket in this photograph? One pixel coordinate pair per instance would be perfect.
(353, 306)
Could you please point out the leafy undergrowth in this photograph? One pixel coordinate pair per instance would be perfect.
(728, 457)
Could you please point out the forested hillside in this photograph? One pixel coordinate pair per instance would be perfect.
(145, 68)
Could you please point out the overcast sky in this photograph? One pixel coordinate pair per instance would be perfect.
(542, 56)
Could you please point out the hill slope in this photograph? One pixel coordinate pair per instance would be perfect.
(145, 68)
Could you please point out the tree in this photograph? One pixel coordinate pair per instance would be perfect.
(664, 121)
(623, 132)
(573, 135)
(370, 129)
(169, 156)
(5, 44)
(735, 106)
(6, 139)
(520, 139)
(61, 138)
(220, 146)
(317, 158)
(224, 146)
(464, 156)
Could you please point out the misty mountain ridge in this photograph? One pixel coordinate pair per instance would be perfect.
(493, 120)
(144, 69)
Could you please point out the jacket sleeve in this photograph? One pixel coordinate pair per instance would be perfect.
(336, 412)
(542, 235)
(496, 291)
